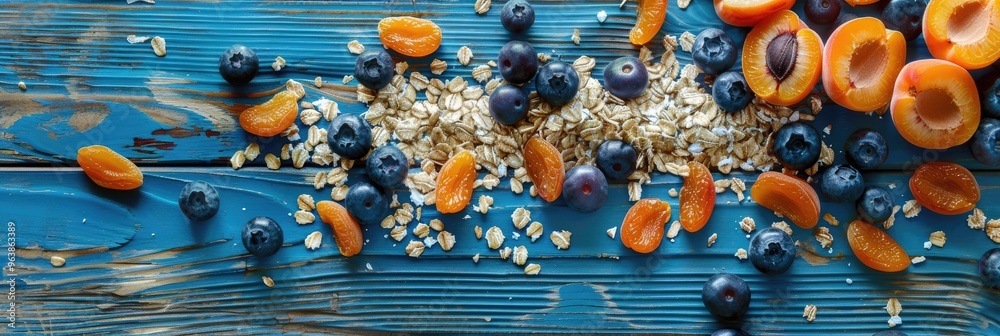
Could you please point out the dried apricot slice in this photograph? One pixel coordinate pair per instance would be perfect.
(545, 168)
(697, 198)
(455, 182)
(272, 117)
(642, 229)
(875, 248)
(409, 36)
(789, 196)
(108, 169)
(945, 188)
(649, 19)
(346, 231)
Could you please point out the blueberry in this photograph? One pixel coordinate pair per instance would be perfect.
(238, 65)
(842, 183)
(772, 251)
(985, 144)
(374, 69)
(518, 62)
(387, 166)
(796, 145)
(843, 18)
(713, 52)
(262, 236)
(517, 16)
(726, 295)
(991, 99)
(199, 200)
(557, 83)
(617, 159)
(585, 188)
(367, 203)
(866, 149)
(626, 77)
(890, 333)
(875, 205)
(905, 16)
(508, 104)
(729, 332)
(731, 91)
(989, 268)
(822, 11)
(349, 136)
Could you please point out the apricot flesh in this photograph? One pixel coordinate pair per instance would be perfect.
(945, 188)
(875, 248)
(935, 104)
(861, 61)
(782, 59)
(964, 32)
(743, 13)
(788, 196)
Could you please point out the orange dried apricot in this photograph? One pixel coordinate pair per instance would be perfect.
(789, 196)
(346, 231)
(545, 168)
(109, 169)
(875, 248)
(272, 117)
(642, 228)
(697, 199)
(649, 18)
(945, 188)
(409, 36)
(455, 182)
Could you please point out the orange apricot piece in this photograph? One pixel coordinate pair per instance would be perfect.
(935, 104)
(410, 36)
(642, 228)
(272, 117)
(697, 199)
(109, 169)
(945, 188)
(455, 182)
(789, 196)
(346, 231)
(545, 168)
(747, 13)
(964, 32)
(860, 2)
(875, 248)
(649, 19)
(861, 60)
(782, 59)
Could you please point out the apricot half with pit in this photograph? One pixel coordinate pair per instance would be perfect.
(964, 32)
(782, 59)
(861, 60)
(935, 104)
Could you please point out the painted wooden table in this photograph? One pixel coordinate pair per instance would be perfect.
(136, 265)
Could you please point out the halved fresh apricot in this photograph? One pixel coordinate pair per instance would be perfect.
(875, 248)
(545, 168)
(455, 182)
(649, 19)
(410, 36)
(860, 2)
(861, 60)
(346, 231)
(109, 169)
(964, 32)
(782, 59)
(789, 196)
(747, 13)
(273, 116)
(945, 188)
(697, 199)
(642, 228)
(935, 104)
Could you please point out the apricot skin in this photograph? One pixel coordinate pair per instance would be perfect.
(741, 14)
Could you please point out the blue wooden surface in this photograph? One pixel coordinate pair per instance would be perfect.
(135, 264)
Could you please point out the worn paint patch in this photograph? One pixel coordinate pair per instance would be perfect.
(88, 116)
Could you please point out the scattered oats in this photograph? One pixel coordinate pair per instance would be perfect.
(601, 16)
(823, 236)
(159, 46)
(318, 82)
(741, 254)
(532, 269)
(560, 239)
(313, 240)
(809, 313)
(521, 217)
(634, 191)
(22, 86)
(272, 161)
(421, 230)
(57, 261)
(304, 217)
(482, 6)
(398, 232)
(827, 129)
(238, 159)
(783, 226)
(336, 176)
(355, 47)
(917, 260)
(132, 39)
(401, 67)
(430, 241)
(475, 258)
(479, 232)
(292, 133)
(299, 157)
(712, 238)
(484, 203)
(893, 307)
(438, 66)
(938, 238)
(977, 219)
(993, 230)
(482, 73)
(849, 281)
(892, 186)
(319, 180)
(494, 238)
(309, 116)
(911, 208)
(447, 240)
(388, 222)
(505, 253)
(347, 79)
(534, 231)
(576, 36)
(683, 4)
(927, 245)
(543, 58)
(286, 152)
(672, 193)
(278, 64)
(464, 55)
(612, 232)
(675, 228)
(516, 186)
(895, 321)
(892, 218)
(828, 217)
(748, 224)
(339, 193)
(404, 214)
(533, 191)
(520, 255)
(437, 225)
(686, 41)
(738, 186)
(414, 249)
(267, 281)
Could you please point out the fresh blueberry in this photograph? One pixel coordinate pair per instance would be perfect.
(729, 332)
(989, 268)
(772, 251)
(626, 77)
(796, 145)
(726, 295)
(617, 159)
(199, 200)
(238, 65)
(557, 83)
(518, 62)
(866, 149)
(843, 18)
(517, 16)
(262, 236)
(842, 183)
(387, 167)
(713, 52)
(890, 333)
(367, 203)
(875, 205)
(349, 136)
(985, 144)
(991, 98)
(374, 69)
(585, 188)
(731, 91)
(905, 16)
(508, 104)
(822, 11)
